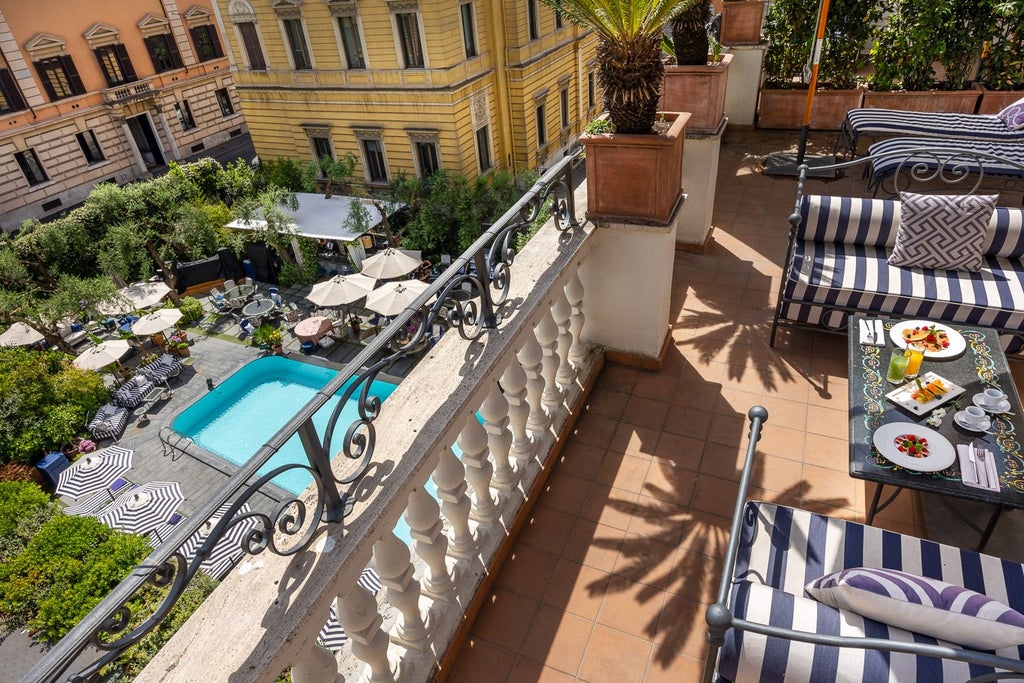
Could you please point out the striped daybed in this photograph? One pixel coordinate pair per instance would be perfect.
(763, 619)
(874, 123)
(131, 393)
(108, 422)
(837, 264)
(1000, 160)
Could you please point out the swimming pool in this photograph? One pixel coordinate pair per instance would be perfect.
(250, 406)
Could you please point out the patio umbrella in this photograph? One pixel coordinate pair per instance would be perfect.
(94, 471)
(227, 550)
(391, 263)
(145, 508)
(20, 334)
(157, 321)
(136, 296)
(341, 289)
(332, 636)
(102, 355)
(391, 298)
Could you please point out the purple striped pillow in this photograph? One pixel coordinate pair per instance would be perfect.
(928, 606)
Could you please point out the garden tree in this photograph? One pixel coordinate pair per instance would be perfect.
(47, 250)
(287, 174)
(335, 174)
(65, 570)
(24, 508)
(13, 273)
(1001, 66)
(973, 21)
(43, 402)
(269, 222)
(46, 311)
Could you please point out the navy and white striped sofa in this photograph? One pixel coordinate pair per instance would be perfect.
(837, 264)
(764, 627)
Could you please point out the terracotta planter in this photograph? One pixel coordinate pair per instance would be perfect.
(952, 101)
(636, 178)
(741, 22)
(785, 108)
(277, 349)
(994, 101)
(699, 90)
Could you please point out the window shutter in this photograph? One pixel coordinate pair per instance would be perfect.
(11, 92)
(126, 63)
(172, 47)
(45, 79)
(74, 80)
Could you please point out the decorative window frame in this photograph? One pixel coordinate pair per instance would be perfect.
(101, 35)
(376, 133)
(342, 8)
(196, 16)
(347, 8)
(153, 25)
(428, 135)
(480, 117)
(45, 46)
(292, 9)
(396, 7)
(241, 12)
(475, 27)
(287, 9)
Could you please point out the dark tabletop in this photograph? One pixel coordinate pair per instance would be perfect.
(980, 366)
(258, 307)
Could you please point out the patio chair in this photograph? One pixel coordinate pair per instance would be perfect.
(229, 285)
(108, 422)
(252, 283)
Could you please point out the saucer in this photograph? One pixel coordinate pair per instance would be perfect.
(982, 426)
(1000, 407)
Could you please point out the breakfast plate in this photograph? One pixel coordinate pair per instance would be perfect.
(948, 344)
(914, 447)
(904, 397)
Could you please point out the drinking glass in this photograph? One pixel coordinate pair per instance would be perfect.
(914, 358)
(897, 366)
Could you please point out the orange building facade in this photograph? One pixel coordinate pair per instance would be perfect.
(106, 90)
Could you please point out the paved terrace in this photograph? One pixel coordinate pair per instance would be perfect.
(609, 579)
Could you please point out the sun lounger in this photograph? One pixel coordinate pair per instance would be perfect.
(957, 158)
(133, 391)
(162, 368)
(108, 422)
(875, 123)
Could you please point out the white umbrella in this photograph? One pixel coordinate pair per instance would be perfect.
(145, 508)
(102, 355)
(132, 297)
(158, 321)
(391, 298)
(341, 289)
(20, 334)
(391, 263)
(94, 471)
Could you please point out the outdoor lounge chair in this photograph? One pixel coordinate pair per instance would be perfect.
(162, 368)
(132, 392)
(108, 422)
(873, 123)
(101, 499)
(1003, 160)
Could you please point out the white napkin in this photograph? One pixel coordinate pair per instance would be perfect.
(967, 474)
(866, 329)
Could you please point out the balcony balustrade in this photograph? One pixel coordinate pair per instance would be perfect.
(502, 391)
(139, 90)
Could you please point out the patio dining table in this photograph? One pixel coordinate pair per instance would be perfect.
(243, 292)
(313, 329)
(258, 308)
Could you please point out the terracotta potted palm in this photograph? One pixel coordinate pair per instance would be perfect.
(634, 173)
(696, 82)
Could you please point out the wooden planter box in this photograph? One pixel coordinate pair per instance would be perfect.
(785, 108)
(699, 90)
(636, 178)
(994, 101)
(741, 22)
(952, 101)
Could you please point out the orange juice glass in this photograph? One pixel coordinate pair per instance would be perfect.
(914, 358)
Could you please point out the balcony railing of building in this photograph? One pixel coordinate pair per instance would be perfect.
(500, 392)
(123, 94)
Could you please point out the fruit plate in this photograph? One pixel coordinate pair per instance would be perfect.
(940, 455)
(904, 396)
(957, 343)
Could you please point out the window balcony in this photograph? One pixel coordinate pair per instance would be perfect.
(131, 92)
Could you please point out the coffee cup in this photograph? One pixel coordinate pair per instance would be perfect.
(992, 397)
(973, 415)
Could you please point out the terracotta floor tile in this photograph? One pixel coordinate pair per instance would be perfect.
(682, 629)
(828, 422)
(607, 402)
(696, 393)
(658, 519)
(827, 452)
(725, 462)
(529, 671)
(683, 451)
(577, 589)
(782, 442)
(696, 576)
(824, 486)
(635, 440)
(608, 506)
(565, 492)
(645, 412)
(626, 472)
(557, 639)
(687, 421)
(580, 459)
(630, 607)
(714, 495)
(505, 619)
(783, 412)
(480, 660)
(595, 429)
(547, 529)
(674, 668)
(617, 377)
(658, 386)
(613, 657)
(777, 474)
(527, 571)
(645, 560)
(594, 545)
(730, 430)
(669, 482)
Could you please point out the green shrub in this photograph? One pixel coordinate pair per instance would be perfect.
(191, 308)
(24, 507)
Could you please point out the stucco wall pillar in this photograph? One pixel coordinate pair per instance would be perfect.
(700, 171)
(744, 84)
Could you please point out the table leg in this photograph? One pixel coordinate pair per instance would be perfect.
(875, 507)
(989, 528)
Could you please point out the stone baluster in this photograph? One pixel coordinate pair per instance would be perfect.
(427, 530)
(495, 412)
(561, 312)
(473, 443)
(574, 293)
(357, 612)
(391, 557)
(547, 336)
(530, 357)
(316, 665)
(450, 477)
(514, 383)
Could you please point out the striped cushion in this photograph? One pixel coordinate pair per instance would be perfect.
(924, 605)
(929, 124)
(893, 153)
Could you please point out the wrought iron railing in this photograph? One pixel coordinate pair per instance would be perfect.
(467, 297)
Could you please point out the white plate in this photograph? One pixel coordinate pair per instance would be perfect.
(957, 343)
(982, 426)
(941, 453)
(1001, 407)
(904, 398)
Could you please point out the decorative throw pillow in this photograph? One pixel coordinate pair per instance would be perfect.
(942, 231)
(1013, 115)
(927, 606)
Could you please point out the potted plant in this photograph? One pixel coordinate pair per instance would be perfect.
(633, 173)
(789, 27)
(741, 22)
(696, 82)
(267, 337)
(191, 309)
(1001, 77)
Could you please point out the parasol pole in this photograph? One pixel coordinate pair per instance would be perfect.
(815, 61)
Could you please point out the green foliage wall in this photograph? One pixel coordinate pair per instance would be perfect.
(24, 508)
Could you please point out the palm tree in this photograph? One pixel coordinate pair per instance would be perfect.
(690, 33)
(630, 69)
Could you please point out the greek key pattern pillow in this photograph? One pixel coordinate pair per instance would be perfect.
(942, 231)
(1013, 116)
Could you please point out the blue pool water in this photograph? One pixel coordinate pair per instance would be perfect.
(250, 406)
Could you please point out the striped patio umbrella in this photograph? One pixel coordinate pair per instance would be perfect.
(332, 635)
(94, 471)
(95, 504)
(227, 550)
(145, 508)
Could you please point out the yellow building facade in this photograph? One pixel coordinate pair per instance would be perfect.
(106, 90)
(411, 86)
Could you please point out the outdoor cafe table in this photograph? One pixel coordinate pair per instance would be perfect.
(243, 292)
(313, 329)
(259, 308)
(982, 365)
